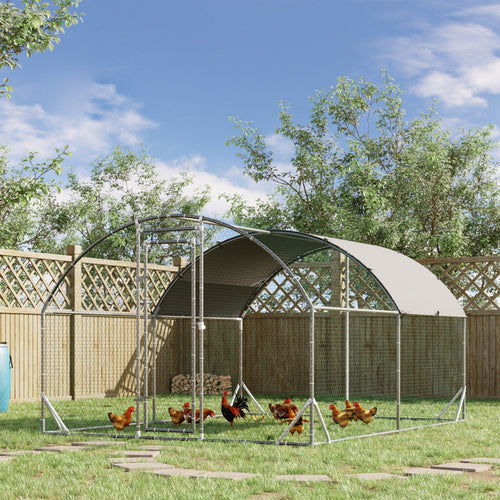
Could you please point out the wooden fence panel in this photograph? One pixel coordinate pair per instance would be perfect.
(93, 344)
(20, 328)
(483, 354)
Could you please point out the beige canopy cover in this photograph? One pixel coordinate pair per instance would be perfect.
(236, 269)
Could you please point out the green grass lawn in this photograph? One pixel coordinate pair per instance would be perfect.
(88, 473)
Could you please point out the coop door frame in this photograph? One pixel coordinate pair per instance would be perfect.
(196, 308)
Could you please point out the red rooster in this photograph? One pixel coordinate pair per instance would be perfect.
(231, 412)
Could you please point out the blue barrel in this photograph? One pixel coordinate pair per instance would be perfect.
(5, 367)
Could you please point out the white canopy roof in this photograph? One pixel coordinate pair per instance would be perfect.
(413, 288)
(238, 268)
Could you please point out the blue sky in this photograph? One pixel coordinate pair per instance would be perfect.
(169, 73)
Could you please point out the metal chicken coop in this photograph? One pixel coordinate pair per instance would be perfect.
(278, 313)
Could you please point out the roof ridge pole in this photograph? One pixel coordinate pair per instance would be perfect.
(138, 325)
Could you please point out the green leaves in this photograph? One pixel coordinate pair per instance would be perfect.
(34, 28)
(361, 171)
(27, 195)
(124, 185)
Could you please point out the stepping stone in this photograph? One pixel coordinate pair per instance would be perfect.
(19, 452)
(177, 471)
(463, 467)
(375, 476)
(57, 448)
(96, 443)
(414, 471)
(482, 460)
(235, 476)
(128, 460)
(304, 477)
(137, 454)
(5, 458)
(144, 466)
(152, 448)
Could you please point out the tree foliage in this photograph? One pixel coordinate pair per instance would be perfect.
(361, 171)
(26, 193)
(123, 186)
(34, 28)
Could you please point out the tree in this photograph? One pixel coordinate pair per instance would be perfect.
(360, 171)
(26, 193)
(123, 186)
(34, 28)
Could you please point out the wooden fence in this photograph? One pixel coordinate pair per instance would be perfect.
(475, 282)
(108, 286)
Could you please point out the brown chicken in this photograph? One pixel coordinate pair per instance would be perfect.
(297, 426)
(284, 410)
(188, 412)
(362, 414)
(341, 418)
(121, 421)
(236, 411)
(349, 409)
(177, 416)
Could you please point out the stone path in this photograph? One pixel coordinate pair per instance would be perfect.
(144, 460)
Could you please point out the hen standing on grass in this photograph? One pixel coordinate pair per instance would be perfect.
(341, 418)
(231, 412)
(364, 415)
(188, 412)
(121, 421)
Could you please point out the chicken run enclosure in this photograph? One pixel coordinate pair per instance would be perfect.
(266, 315)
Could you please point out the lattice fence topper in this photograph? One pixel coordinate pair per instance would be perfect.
(112, 287)
(26, 279)
(321, 285)
(475, 281)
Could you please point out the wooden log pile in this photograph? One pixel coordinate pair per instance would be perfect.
(212, 384)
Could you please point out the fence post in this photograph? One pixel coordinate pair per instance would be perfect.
(74, 294)
(340, 295)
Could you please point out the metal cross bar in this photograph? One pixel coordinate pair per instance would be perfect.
(168, 229)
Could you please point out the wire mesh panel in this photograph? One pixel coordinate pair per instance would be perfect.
(311, 324)
(92, 358)
(431, 356)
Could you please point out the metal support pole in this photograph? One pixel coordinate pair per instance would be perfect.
(311, 373)
(138, 326)
(464, 364)
(153, 366)
(240, 335)
(398, 370)
(145, 304)
(201, 324)
(42, 375)
(347, 328)
(193, 333)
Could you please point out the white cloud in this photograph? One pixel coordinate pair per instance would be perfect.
(105, 119)
(456, 62)
(281, 146)
(100, 119)
(233, 183)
